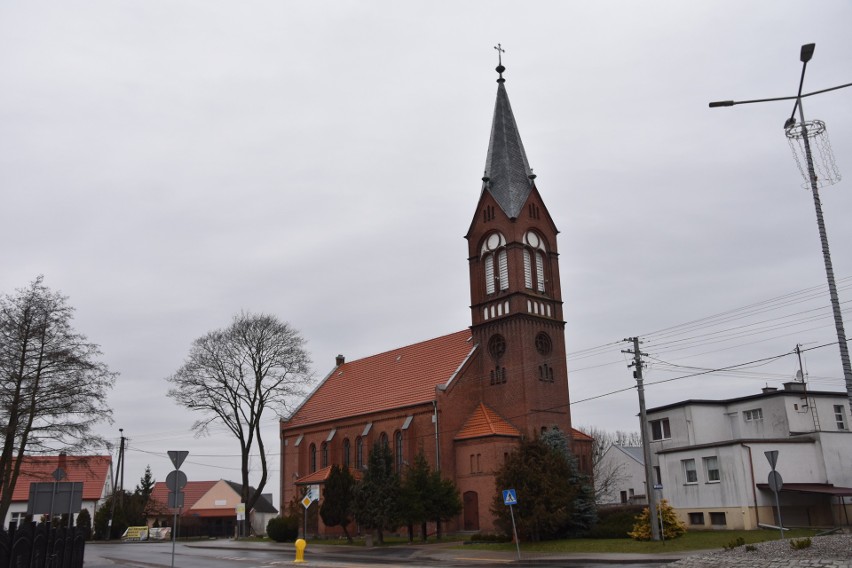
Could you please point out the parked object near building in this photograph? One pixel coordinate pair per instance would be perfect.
(709, 457)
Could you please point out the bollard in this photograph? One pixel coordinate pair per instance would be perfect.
(300, 550)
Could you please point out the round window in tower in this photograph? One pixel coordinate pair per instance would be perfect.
(543, 344)
(496, 346)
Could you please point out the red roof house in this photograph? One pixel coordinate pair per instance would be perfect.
(92, 471)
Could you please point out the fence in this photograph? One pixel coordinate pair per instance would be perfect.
(42, 546)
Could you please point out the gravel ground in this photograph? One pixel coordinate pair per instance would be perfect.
(832, 550)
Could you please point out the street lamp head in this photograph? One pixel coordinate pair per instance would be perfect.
(789, 123)
(807, 52)
(721, 104)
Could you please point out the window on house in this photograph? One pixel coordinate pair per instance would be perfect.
(718, 519)
(18, 519)
(359, 452)
(472, 464)
(624, 496)
(383, 440)
(753, 414)
(711, 468)
(478, 463)
(660, 429)
(346, 453)
(689, 471)
(840, 417)
(313, 457)
(696, 519)
(324, 454)
(657, 475)
(397, 442)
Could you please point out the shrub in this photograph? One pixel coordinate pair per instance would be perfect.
(615, 522)
(672, 526)
(283, 529)
(799, 544)
(751, 548)
(734, 543)
(84, 520)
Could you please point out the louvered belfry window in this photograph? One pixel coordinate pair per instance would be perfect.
(496, 261)
(536, 244)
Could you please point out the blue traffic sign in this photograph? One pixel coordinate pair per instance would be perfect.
(509, 497)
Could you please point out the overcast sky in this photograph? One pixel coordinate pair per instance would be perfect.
(167, 164)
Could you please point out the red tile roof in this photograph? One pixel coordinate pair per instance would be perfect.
(93, 471)
(193, 491)
(578, 435)
(485, 422)
(394, 379)
(321, 476)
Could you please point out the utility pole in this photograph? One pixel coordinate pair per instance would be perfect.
(646, 447)
(119, 470)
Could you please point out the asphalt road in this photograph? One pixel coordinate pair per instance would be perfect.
(222, 555)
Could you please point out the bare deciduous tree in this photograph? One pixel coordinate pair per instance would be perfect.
(232, 375)
(608, 476)
(52, 387)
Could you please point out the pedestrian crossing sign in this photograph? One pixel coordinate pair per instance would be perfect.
(509, 497)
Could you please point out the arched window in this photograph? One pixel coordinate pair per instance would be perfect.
(359, 452)
(312, 451)
(383, 440)
(346, 453)
(397, 442)
(534, 252)
(496, 263)
(324, 454)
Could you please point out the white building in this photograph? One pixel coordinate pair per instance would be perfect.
(621, 475)
(709, 457)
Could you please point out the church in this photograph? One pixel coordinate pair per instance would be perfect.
(466, 399)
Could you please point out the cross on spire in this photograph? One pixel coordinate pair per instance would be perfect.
(500, 68)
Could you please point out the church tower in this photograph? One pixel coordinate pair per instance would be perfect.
(515, 294)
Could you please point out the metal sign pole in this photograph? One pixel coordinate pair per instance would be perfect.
(515, 532)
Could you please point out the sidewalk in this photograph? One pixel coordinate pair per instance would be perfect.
(442, 553)
(836, 554)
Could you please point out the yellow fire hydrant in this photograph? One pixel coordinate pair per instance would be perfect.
(301, 544)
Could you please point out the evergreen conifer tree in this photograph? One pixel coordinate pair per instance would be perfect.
(336, 509)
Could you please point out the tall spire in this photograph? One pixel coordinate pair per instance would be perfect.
(508, 176)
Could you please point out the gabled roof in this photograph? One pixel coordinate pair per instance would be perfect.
(634, 452)
(263, 505)
(192, 492)
(92, 471)
(484, 422)
(507, 171)
(321, 476)
(580, 435)
(395, 379)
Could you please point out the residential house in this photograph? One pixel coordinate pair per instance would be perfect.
(209, 509)
(92, 471)
(622, 470)
(466, 399)
(709, 456)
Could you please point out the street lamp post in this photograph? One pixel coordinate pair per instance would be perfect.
(804, 131)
